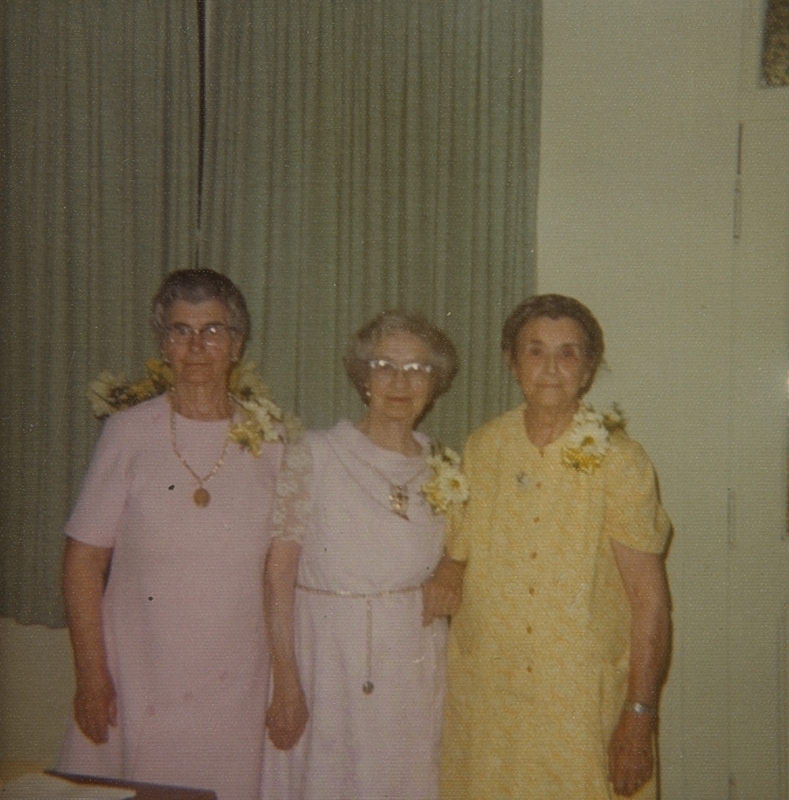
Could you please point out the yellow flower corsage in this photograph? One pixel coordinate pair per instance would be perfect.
(589, 438)
(260, 418)
(447, 483)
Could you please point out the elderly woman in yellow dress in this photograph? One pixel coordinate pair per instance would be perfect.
(561, 645)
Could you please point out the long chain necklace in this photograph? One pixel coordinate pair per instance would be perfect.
(398, 492)
(201, 495)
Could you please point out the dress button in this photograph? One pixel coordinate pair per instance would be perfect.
(531, 590)
(536, 519)
(534, 555)
(528, 629)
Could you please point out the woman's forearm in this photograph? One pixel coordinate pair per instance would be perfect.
(84, 574)
(650, 644)
(646, 586)
(280, 594)
(287, 713)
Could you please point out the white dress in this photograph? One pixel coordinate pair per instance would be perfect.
(357, 620)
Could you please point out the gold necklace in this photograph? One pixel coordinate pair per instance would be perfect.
(201, 495)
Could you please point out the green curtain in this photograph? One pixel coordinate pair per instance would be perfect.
(363, 155)
(357, 155)
(99, 148)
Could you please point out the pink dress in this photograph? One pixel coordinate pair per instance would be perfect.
(183, 607)
(358, 619)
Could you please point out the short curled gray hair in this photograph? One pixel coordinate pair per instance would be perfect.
(443, 356)
(555, 306)
(198, 286)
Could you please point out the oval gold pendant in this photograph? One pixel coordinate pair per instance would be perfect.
(201, 497)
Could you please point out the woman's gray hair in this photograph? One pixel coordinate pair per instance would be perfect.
(199, 286)
(443, 356)
(555, 306)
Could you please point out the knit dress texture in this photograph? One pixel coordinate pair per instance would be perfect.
(183, 605)
(538, 655)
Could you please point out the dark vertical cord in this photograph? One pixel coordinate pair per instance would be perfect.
(201, 46)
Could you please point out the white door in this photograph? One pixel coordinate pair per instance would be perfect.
(758, 578)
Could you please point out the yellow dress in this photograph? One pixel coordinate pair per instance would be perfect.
(539, 651)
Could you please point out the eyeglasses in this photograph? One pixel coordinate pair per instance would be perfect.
(413, 371)
(214, 334)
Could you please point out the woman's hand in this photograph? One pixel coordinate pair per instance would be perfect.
(95, 705)
(287, 715)
(442, 592)
(631, 759)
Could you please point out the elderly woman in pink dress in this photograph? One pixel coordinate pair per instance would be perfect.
(163, 569)
(356, 595)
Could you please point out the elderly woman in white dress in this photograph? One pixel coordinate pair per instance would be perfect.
(358, 589)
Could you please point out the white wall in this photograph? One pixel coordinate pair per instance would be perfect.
(36, 686)
(641, 105)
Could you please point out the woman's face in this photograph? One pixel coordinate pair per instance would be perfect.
(550, 363)
(200, 347)
(397, 393)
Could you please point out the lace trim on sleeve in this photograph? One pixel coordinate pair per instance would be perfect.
(293, 501)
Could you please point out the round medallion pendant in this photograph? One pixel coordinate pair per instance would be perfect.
(367, 688)
(201, 497)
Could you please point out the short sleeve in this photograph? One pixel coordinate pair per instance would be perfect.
(102, 498)
(292, 510)
(633, 513)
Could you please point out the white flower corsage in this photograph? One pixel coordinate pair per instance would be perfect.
(589, 438)
(447, 483)
(260, 417)
(259, 413)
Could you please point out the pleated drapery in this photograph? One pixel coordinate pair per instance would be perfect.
(386, 158)
(357, 155)
(99, 185)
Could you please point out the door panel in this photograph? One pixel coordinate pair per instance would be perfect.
(758, 544)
